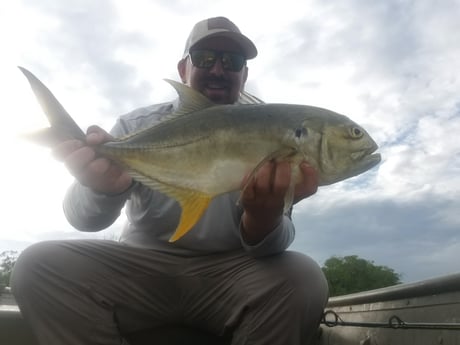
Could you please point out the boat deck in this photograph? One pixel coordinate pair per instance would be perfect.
(421, 313)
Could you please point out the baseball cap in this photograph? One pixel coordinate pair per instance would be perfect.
(220, 27)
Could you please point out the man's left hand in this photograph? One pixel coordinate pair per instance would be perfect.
(263, 197)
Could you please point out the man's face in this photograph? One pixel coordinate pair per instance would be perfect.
(219, 85)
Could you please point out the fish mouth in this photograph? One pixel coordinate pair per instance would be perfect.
(373, 159)
(367, 158)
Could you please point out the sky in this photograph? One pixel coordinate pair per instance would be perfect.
(392, 66)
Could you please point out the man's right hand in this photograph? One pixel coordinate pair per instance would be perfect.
(98, 173)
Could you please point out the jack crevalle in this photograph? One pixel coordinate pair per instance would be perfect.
(203, 150)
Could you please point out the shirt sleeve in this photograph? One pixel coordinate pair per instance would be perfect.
(87, 210)
(275, 242)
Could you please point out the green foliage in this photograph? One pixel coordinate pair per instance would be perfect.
(352, 274)
(7, 261)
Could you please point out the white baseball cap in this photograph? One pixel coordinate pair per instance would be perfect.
(220, 27)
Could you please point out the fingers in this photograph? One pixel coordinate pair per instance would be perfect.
(308, 184)
(264, 196)
(98, 174)
(263, 200)
(282, 177)
(91, 170)
(267, 189)
(62, 150)
(273, 180)
(79, 159)
(77, 154)
(96, 135)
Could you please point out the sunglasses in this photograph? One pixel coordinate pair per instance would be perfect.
(232, 62)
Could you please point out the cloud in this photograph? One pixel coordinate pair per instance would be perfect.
(383, 65)
(400, 234)
(86, 45)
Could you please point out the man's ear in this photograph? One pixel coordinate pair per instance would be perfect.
(182, 69)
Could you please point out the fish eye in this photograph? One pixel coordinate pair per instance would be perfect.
(301, 132)
(356, 132)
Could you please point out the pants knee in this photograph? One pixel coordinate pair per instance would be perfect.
(25, 275)
(307, 280)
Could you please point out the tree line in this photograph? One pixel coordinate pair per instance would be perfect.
(7, 260)
(350, 274)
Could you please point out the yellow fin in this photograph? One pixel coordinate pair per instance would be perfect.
(193, 205)
(192, 202)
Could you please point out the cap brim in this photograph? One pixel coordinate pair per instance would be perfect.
(248, 48)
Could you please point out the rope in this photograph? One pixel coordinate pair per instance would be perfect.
(394, 322)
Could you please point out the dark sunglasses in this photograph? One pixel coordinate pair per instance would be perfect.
(207, 58)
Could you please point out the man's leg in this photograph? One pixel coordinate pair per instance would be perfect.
(76, 292)
(265, 301)
(89, 292)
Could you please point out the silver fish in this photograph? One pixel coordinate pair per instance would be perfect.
(203, 150)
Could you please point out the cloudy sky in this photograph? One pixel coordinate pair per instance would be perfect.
(392, 66)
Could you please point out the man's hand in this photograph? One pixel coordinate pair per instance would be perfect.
(98, 173)
(263, 197)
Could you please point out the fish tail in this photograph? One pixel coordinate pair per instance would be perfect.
(62, 126)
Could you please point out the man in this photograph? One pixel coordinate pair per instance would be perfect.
(231, 274)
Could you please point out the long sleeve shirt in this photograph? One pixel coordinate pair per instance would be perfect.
(152, 216)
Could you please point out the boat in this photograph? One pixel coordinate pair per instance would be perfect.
(421, 313)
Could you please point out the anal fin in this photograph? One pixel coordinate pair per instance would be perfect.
(192, 202)
(193, 205)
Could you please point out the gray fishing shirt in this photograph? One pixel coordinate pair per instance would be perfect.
(152, 216)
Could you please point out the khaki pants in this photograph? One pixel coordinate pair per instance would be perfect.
(93, 292)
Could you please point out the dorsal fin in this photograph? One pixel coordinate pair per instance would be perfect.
(190, 100)
(248, 98)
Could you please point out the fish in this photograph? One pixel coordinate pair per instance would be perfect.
(204, 149)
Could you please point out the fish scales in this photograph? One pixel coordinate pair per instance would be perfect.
(222, 143)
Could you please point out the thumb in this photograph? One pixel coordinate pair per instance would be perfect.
(96, 135)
